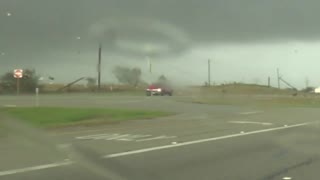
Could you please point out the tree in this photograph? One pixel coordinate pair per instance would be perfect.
(28, 82)
(128, 76)
(308, 89)
(162, 78)
(163, 81)
(136, 72)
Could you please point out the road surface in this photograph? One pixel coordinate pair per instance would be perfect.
(200, 142)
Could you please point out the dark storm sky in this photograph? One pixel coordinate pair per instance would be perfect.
(40, 21)
(44, 32)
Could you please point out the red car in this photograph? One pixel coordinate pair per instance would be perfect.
(157, 89)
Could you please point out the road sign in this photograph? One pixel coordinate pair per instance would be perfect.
(18, 73)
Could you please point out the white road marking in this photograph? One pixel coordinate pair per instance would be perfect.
(121, 137)
(35, 168)
(251, 112)
(155, 138)
(117, 137)
(287, 178)
(107, 137)
(174, 144)
(96, 136)
(200, 141)
(137, 136)
(251, 122)
(124, 139)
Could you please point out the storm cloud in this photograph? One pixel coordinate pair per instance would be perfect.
(48, 32)
(204, 20)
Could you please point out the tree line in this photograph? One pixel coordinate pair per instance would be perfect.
(28, 83)
(30, 79)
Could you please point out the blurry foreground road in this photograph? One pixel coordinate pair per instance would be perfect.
(201, 142)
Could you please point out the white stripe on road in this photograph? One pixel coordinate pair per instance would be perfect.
(68, 162)
(250, 122)
(96, 136)
(155, 138)
(35, 168)
(200, 141)
(120, 137)
(134, 137)
(251, 112)
(287, 178)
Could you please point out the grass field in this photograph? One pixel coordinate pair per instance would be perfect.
(259, 101)
(251, 95)
(239, 88)
(57, 117)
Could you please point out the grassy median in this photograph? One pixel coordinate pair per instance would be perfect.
(58, 117)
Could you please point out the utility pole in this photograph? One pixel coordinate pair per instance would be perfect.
(307, 82)
(269, 82)
(278, 77)
(99, 67)
(149, 64)
(209, 72)
(288, 84)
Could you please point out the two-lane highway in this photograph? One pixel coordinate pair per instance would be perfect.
(200, 142)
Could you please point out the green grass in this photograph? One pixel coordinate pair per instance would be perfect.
(244, 89)
(251, 95)
(286, 101)
(56, 116)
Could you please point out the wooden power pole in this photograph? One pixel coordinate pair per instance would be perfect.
(99, 67)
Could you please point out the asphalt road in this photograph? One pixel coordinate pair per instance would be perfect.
(201, 142)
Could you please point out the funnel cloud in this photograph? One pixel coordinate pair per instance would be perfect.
(247, 39)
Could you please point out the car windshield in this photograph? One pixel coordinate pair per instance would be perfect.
(159, 89)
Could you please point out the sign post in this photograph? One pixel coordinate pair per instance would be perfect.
(37, 97)
(18, 74)
(18, 86)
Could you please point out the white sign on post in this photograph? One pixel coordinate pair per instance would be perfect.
(18, 73)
